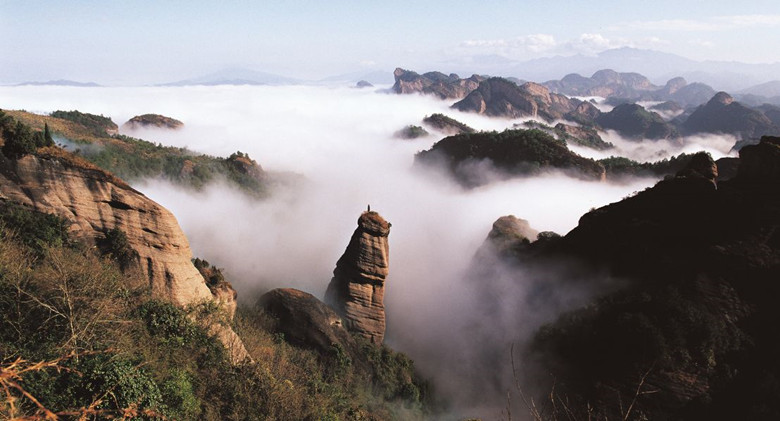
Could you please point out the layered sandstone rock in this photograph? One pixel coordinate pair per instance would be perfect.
(95, 202)
(356, 291)
(498, 97)
(436, 83)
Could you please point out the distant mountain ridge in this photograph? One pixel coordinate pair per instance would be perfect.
(235, 76)
(61, 82)
(656, 65)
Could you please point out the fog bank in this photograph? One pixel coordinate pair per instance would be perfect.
(341, 140)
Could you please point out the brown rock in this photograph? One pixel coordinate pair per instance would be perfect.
(356, 291)
(95, 202)
(152, 120)
(304, 320)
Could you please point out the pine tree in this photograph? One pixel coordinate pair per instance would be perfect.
(47, 139)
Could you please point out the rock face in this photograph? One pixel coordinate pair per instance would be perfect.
(631, 87)
(357, 289)
(435, 83)
(95, 203)
(498, 97)
(304, 320)
(153, 121)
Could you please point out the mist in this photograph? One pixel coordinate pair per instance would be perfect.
(341, 140)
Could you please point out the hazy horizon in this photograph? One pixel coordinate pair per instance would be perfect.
(142, 42)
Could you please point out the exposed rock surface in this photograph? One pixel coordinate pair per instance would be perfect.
(631, 87)
(498, 97)
(446, 125)
(357, 289)
(96, 202)
(304, 320)
(604, 83)
(364, 84)
(152, 120)
(436, 83)
(724, 115)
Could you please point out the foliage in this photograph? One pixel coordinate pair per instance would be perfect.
(511, 152)
(35, 230)
(617, 166)
(107, 349)
(116, 246)
(98, 125)
(411, 132)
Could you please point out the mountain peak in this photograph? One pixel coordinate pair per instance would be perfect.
(721, 98)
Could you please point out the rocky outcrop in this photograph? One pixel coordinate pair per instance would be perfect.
(481, 158)
(357, 289)
(446, 125)
(604, 83)
(634, 122)
(724, 115)
(95, 202)
(304, 320)
(435, 83)
(631, 87)
(498, 97)
(152, 121)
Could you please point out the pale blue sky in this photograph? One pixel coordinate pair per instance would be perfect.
(136, 42)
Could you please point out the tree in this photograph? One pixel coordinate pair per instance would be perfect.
(47, 139)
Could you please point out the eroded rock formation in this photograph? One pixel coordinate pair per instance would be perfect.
(95, 202)
(436, 83)
(357, 289)
(304, 320)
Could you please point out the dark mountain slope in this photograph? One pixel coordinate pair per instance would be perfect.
(694, 329)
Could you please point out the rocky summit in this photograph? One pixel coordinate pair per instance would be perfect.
(357, 289)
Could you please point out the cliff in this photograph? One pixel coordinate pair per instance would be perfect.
(498, 97)
(95, 202)
(357, 289)
(434, 83)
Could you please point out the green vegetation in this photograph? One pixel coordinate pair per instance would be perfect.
(79, 337)
(96, 124)
(129, 158)
(634, 121)
(19, 139)
(447, 124)
(584, 135)
(618, 167)
(510, 153)
(411, 132)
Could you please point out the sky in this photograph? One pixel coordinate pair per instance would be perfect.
(147, 42)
